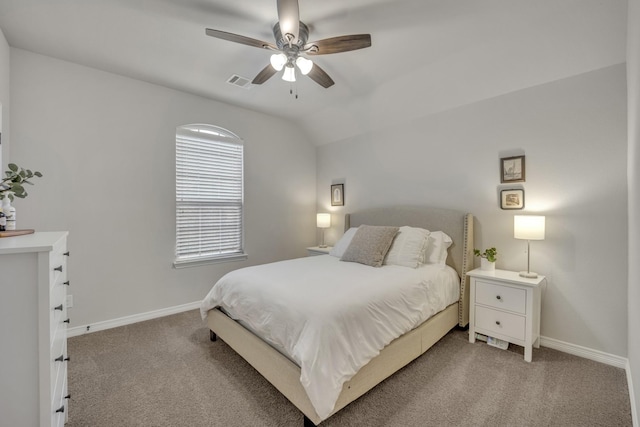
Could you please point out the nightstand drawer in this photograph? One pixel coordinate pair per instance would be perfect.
(502, 297)
(500, 322)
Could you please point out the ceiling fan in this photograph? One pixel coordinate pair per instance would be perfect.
(292, 46)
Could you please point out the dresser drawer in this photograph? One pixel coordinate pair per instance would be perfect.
(58, 418)
(58, 348)
(58, 264)
(58, 315)
(500, 322)
(502, 297)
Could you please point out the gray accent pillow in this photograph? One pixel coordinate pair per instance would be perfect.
(370, 244)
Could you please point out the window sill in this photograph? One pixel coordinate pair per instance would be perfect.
(205, 261)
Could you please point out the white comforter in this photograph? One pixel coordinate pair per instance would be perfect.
(332, 317)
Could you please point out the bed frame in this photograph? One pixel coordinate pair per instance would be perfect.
(285, 374)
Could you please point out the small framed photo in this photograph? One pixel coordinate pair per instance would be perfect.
(512, 169)
(337, 195)
(512, 199)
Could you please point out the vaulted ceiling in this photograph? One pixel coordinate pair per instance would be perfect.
(426, 55)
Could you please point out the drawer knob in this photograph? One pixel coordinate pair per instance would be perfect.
(498, 322)
(66, 253)
(66, 283)
(58, 269)
(68, 396)
(498, 297)
(61, 358)
(60, 307)
(60, 410)
(67, 321)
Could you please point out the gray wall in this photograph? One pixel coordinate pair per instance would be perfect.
(633, 82)
(106, 147)
(4, 100)
(573, 133)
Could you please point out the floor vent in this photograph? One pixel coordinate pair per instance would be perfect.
(237, 80)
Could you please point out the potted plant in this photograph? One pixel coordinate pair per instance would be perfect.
(13, 184)
(487, 258)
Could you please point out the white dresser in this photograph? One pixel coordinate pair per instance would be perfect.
(506, 306)
(33, 315)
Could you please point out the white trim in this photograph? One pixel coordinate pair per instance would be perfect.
(587, 353)
(128, 320)
(632, 397)
(196, 262)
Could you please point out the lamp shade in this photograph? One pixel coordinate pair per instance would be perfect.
(289, 73)
(278, 60)
(323, 220)
(305, 65)
(528, 227)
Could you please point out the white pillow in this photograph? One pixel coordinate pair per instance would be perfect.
(408, 248)
(342, 244)
(437, 253)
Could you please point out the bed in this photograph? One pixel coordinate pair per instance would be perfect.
(284, 370)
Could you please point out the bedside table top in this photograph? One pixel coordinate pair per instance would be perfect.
(506, 276)
(320, 250)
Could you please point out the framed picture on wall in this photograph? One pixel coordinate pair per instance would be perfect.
(512, 199)
(337, 195)
(512, 169)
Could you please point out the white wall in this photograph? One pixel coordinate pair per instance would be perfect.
(106, 147)
(573, 133)
(633, 83)
(4, 100)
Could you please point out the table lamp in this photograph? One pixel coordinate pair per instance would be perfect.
(528, 227)
(323, 220)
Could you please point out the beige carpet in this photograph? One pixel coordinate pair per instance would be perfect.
(166, 372)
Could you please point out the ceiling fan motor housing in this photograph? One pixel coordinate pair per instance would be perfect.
(282, 41)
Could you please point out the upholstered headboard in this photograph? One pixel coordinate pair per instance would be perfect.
(458, 225)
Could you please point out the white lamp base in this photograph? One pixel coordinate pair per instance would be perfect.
(528, 274)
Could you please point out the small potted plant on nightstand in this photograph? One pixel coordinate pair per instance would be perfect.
(487, 258)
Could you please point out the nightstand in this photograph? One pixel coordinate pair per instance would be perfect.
(506, 306)
(317, 250)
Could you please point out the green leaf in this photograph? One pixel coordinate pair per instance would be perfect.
(13, 167)
(38, 174)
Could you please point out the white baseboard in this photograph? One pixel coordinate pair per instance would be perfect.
(587, 353)
(128, 320)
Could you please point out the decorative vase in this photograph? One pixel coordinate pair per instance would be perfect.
(487, 265)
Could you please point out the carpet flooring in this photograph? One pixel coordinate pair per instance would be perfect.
(166, 372)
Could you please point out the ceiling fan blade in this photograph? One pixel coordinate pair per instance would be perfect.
(338, 44)
(264, 75)
(240, 39)
(289, 18)
(319, 76)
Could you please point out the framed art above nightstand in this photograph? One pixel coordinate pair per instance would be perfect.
(317, 250)
(506, 306)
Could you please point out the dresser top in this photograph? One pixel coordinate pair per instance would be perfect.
(42, 241)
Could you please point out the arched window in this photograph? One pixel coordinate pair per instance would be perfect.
(209, 195)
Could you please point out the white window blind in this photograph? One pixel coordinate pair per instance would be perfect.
(209, 195)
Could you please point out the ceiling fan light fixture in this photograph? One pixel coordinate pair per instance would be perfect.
(278, 60)
(289, 74)
(305, 65)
